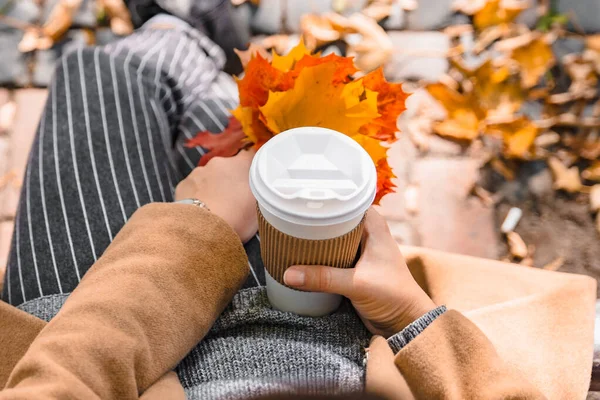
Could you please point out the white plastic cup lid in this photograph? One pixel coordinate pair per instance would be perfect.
(313, 176)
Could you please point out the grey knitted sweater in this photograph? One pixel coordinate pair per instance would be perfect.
(253, 349)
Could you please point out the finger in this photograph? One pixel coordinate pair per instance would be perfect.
(376, 230)
(319, 278)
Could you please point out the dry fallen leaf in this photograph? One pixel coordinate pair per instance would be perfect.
(534, 59)
(592, 173)
(554, 265)
(246, 55)
(317, 30)
(500, 167)
(465, 117)
(518, 137)
(583, 76)
(498, 12)
(595, 198)
(565, 178)
(496, 92)
(469, 7)
(118, 14)
(485, 196)
(378, 10)
(374, 47)
(547, 139)
(516, 245)
(593, 42)
(60, 18)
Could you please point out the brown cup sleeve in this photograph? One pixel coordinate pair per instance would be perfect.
(280, 251)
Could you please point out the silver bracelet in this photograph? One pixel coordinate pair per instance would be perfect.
(194, 202)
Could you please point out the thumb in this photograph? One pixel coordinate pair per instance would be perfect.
(319, 278)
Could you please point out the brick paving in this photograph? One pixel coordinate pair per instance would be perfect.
(14, 150)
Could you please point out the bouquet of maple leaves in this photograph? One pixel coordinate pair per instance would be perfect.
(302, 89)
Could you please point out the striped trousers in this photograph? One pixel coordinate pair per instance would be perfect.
(110, 140)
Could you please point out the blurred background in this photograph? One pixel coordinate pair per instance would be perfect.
(499, 150)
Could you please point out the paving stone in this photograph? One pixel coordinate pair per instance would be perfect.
(430, 15)
(6, 229)
(294, 10)
(22, 10)
(30, 103)
(13, 67)
(267, 18)
(400, 156)
(448, 218)
(4, 96)
(569, 45)
(529, 16)
(585, 14)
(417, 55)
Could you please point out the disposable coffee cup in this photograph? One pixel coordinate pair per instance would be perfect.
(313, 187)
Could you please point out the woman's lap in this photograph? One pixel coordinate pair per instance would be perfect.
(109, 141)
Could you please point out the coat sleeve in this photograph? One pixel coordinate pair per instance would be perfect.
(149, 299)
(453, 359)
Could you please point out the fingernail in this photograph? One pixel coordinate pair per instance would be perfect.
(293, 277)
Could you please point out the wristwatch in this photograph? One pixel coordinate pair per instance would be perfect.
(194, 202)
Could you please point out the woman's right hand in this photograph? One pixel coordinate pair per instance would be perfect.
(381, 288)
(223, 185)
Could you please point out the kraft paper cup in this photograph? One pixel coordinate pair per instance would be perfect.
(313, 187)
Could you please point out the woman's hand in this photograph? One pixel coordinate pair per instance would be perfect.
(224, 187)
(380, 287)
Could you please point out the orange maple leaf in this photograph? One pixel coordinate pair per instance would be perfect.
(391, 102)
(344, 67)
(260, 78)
(225, 144)
(384, 180)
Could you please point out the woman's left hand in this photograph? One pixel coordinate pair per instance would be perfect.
(223, 185)
(385, 295)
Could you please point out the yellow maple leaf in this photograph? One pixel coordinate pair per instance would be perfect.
(534, 59)
(498, 12)
(315, 101)
(518, 137)
(287, 62)
(372, 146)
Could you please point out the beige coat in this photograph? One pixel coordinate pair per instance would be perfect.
(129, 323)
